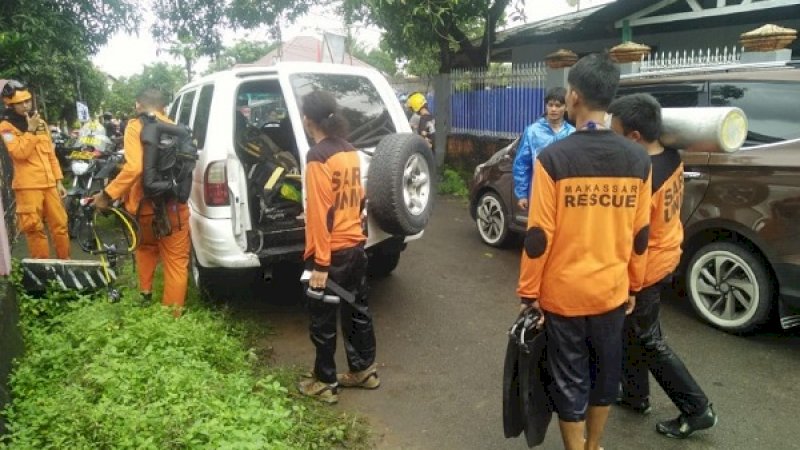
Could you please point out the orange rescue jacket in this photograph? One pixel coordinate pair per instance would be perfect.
(587, 233)
(666, 230)
(334, 200)
(35, 162)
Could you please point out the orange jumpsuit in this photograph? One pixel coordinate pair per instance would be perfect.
(172, 250)
(36, 172)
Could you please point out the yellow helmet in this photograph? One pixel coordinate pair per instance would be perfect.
(416, 101)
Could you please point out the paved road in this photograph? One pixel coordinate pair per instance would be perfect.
(441, 320)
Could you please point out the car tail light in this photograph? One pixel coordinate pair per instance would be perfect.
(215, 184)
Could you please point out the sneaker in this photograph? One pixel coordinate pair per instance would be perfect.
(638, 406)
(365, 379)
(683, 426)
(323, 392)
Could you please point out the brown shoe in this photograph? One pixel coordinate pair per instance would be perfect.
(323, 392)
(365, 379)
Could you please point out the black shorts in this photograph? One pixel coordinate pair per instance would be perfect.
(584, 355)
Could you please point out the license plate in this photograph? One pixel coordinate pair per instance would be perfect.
(80, 154)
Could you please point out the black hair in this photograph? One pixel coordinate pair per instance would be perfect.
(320, 107)
(638, 112)
(557, 94)
(596, 78)
(151, 97)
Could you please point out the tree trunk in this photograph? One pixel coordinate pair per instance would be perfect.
(188, 64)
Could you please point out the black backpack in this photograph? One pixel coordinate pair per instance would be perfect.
(170, 156)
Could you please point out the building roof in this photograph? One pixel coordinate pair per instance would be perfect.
(602, 22)
(564, 22)
(306, 49)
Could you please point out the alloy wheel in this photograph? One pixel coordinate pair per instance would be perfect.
(416, 184)
(724, 288)
(491, 220)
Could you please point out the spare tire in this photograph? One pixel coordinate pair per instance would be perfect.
(400, 185)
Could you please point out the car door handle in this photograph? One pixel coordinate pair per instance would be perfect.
(692, 175)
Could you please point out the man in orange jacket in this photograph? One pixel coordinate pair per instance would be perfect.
(638, 117)
(173, 249)
(37, 174)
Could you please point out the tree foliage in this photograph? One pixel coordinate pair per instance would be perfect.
(378, 58)
(241, 52)
(189, 29)
(46, 44)
(250, 14)
(414, 25)
(165, 77)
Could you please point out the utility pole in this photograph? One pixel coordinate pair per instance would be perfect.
(78, 84)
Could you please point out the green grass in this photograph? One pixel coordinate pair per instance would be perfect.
(121, 376)
(453, 183)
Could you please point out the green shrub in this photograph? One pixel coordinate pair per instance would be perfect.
(453, 183)
(118, 376)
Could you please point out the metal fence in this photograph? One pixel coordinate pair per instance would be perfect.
(498, 102)
(688, 59)
(501, 101)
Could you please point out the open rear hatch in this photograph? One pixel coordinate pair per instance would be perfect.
(266, 148)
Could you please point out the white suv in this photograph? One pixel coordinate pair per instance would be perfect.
(236, 229)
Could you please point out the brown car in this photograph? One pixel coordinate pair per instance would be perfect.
(741, 211)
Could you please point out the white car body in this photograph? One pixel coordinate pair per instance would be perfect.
(219, 233)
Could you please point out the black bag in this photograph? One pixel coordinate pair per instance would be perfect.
(526, 401)
(170, 156)
(274, 178)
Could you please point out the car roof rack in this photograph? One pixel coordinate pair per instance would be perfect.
(736, 67)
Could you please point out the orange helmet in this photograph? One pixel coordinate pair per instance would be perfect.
(416, 101)
(14, 92)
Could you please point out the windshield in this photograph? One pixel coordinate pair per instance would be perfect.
(359, 101)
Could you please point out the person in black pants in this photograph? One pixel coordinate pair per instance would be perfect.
(638, 117)
(335, 237)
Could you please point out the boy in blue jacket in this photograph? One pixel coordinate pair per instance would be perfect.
(547, 129)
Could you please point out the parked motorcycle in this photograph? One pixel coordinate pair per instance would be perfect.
(60, 143)
(93, 161)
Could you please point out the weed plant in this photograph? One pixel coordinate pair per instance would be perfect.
(453, 183)
(100, 375)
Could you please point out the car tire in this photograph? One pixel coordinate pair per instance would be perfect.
(400, 185)
(492, 220)
(729, 287)
(382, 263)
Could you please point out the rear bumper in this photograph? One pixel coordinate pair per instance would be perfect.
(215, 246)
(788, 275)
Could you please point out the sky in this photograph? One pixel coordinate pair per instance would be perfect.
(125, 54)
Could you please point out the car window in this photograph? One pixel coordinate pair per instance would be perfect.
(771, 108)
(260, 102)
(173, 109)
(682, 95)
(186, 108)
(200, 126)
(261, 111)
(362, 106)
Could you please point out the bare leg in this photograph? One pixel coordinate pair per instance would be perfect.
(596, 424)
(572, 434)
